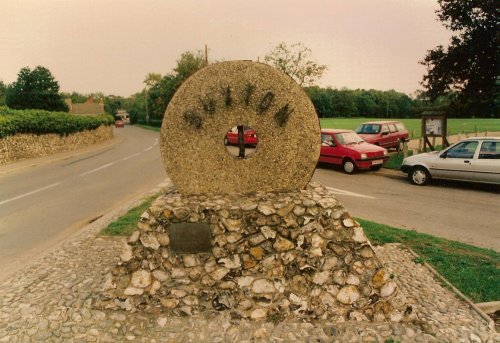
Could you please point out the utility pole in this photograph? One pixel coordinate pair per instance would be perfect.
(206, 55)
(147, 113)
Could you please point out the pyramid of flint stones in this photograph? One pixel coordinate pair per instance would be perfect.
(274, 256)
(274, 246)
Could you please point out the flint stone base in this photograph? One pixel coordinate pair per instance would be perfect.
(274, 256)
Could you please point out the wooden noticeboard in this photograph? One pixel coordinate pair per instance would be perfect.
(434, 126)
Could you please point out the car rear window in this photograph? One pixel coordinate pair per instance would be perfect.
(368, 129)
(400, 127)
(490, 150)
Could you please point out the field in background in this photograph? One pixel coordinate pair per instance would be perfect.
(455, 126)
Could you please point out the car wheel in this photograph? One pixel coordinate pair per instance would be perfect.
(348, 166)
(419, 176)
(401, 146)
(225, 141)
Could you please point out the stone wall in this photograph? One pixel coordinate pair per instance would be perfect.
(23, 146)
(273, 256)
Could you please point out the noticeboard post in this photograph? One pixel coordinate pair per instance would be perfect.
(434, 126)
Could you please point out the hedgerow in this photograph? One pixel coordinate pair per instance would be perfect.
(43, 122)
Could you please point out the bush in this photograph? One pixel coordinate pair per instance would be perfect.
(44, 122)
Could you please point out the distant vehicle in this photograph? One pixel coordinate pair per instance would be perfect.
(249, 136)
(119, 123)
(347, 149)
(387, 134)
(473, 159)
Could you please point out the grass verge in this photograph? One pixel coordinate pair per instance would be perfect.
(395, 160)
(147, 127)
(474, 271)
(126, 224)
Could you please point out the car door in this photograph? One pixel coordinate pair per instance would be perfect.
(329, 150)
(393, 133)
(487, 165)
(457, 163)
(385, 136)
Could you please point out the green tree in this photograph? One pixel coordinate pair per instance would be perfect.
(469, 65)
(294, 60)
(112, 104)
(3, 89)
(189, 63)
(161, 89)
(76, 98)
(35, 89)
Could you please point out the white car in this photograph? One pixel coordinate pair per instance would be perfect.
(473, 159)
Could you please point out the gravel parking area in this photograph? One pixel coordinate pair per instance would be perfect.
(53, 301)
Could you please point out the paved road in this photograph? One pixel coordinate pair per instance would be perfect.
(42, 204)
(459, 211)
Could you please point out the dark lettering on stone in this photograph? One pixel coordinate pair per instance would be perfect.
(283, 114)
(249, 89)
(266, 102)
(226, 93)
(208, 105)
(193, 119)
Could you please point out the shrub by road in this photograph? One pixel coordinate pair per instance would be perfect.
(44, 122)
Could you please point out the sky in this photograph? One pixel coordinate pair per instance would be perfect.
(110, 46)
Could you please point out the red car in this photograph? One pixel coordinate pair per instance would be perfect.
(346, 148)
(387, 134)
(248, 134)
(119, 123)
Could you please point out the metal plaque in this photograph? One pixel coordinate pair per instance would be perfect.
(190, 238)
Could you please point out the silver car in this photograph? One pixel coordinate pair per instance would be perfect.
(473, 159)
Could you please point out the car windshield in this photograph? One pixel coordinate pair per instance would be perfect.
(368, 128)
(348, 138)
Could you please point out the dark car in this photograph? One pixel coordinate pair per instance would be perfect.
(346, 148)
(387, 134)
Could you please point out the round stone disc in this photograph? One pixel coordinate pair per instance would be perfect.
(222, 96)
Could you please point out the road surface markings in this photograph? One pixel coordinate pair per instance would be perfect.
(97, 169)
(128, 157)
(30, 193)
(352, 194)
(82, 174)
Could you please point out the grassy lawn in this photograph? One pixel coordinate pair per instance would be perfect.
(455, 126)
(474, 271)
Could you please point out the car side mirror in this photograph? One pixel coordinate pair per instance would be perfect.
(385, 133)
(442, 155)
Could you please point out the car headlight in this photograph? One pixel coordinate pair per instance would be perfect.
(386, 152)
(363, 156)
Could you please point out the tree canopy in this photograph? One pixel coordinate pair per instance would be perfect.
(35, 89)
(161, 88)
(294, 60)
(468, 67)
(3, 89)
(344, 102)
